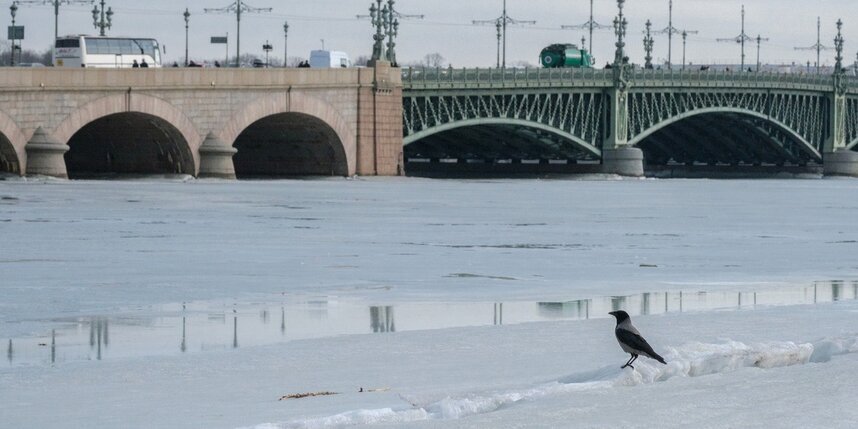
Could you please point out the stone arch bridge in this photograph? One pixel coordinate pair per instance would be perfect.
(568, 120)
(201, 122)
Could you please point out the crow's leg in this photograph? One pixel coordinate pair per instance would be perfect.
(629, 363)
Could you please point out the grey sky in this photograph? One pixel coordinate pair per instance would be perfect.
(447, 29)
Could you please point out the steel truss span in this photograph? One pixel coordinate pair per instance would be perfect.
(688, 117)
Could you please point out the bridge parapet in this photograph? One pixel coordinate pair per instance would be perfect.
(511, 78)
(723, 79)
(493, 78)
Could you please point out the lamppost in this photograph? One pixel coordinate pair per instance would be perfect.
(106, 18)
(500, 34)
(648, 42)
(378, 14)
(187, 16)
(620, 24)
(267, 48)
(56, 4)
(684, 43)
(670, 31)
(838, 47)
(818, 47)
(741, 38)
(286, 44)
(392, 31)
(759, 41)
(504, 20)
(238, 7)
(591, 25)
(14, 11)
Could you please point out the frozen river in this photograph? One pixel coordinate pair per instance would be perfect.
(181, 277)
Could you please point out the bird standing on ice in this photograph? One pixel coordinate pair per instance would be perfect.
(631, 340)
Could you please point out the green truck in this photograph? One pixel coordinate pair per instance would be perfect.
(564, 55)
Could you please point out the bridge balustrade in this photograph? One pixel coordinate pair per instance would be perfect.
(465, 78)
(494, 78)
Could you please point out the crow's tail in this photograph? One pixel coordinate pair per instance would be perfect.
(658, 358)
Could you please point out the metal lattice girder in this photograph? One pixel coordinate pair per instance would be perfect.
(803, 114)
(576, 116)
(575, 104)
(852, 122)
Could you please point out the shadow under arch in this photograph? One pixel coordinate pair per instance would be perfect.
(291, 120)
(289, 144)
(12, 146)
(498, 148)
(128, 143)
(150, 122)
(519, 123)
(692, 129)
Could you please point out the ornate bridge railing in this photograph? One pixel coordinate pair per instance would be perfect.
(493, 78)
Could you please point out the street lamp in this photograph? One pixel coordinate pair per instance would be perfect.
(267, 48)
(14, 11)
(56, 4)
(285, 44)
(106, 18)
(187, 16)
(648, 42)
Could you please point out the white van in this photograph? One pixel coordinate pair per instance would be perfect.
(329, 59)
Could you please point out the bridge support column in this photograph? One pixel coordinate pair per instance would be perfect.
(380, 146)
(216, 158)
(840, 163)
(45, 156)
(623, 161)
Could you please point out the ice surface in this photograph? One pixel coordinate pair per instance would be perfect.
(108, 250)
(691, 360)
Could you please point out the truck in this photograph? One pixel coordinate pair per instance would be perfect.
(565, 55)
(329, 59)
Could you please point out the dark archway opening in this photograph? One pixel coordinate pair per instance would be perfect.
(128, 144)
(725, 144)
(497, 150)
(8, 158)
(289, 144)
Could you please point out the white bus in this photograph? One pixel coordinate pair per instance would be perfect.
(106, 52)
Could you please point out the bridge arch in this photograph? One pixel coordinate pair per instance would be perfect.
(135, 122)
(297, 120)
(803, 143)
(853, 145)
(503, 121)
(13, 154)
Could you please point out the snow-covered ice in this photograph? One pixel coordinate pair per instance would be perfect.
(452, 303)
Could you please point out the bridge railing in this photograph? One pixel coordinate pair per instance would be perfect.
(494, 78)
(465, 78)
(711, 78)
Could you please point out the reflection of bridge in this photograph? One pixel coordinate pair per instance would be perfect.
(192, 121)
(546, 120)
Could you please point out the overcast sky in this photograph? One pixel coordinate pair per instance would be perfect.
(447, 27)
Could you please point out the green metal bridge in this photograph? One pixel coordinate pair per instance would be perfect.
(583, 117)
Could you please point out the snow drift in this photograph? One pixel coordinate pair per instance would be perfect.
(690, 360)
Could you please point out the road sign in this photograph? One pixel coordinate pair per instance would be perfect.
(219, 40)
(16, 32)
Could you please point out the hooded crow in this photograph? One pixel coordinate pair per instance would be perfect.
(631, 340)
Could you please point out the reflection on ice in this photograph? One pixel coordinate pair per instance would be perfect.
(205, 327)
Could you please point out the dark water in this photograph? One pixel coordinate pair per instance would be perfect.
(208, 326)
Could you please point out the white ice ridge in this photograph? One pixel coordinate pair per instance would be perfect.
(689, 360)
